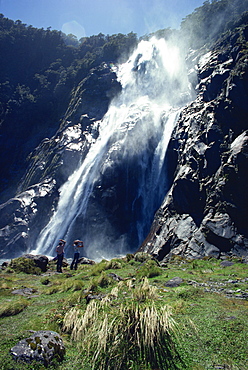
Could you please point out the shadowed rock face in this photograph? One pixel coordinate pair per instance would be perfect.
(205, 212)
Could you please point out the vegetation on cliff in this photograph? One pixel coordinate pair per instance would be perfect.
(39, 70)
(213, 18)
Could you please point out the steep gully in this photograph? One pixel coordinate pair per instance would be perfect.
(102, 179)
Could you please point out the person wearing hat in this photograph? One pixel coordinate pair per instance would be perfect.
(60, 250)
(76, 244)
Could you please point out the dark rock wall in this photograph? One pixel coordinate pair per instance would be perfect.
(205, 212)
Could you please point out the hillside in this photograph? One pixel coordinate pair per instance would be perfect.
(186, 314)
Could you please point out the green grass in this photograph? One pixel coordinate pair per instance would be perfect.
(208, 328)
(13, 308)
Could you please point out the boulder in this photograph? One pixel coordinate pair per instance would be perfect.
(5, 265)
(26, 292)
(39, 260)
(226, 263)
(86, 261)
(115, 276)
(174, 282)
(42, 346)
(99, 297)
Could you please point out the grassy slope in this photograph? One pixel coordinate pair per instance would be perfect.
(208, 307)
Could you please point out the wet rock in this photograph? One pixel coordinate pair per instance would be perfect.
(220, 225)
(18, 216)
(205, 211)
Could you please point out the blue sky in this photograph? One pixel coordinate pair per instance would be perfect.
(90, 17)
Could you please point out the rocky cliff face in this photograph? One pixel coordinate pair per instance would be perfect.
(205, 212)
(24, 216)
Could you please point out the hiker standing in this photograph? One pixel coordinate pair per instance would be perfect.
(60, 250)
(76, 244)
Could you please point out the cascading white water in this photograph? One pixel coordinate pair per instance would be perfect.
(154, 87)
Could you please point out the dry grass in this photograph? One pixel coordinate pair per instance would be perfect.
(114, 336)
(145, 292)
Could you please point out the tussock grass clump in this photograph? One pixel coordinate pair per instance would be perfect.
(65, 286)
(14, 307)
(129, 257)
(190, 293)
(76, 322)
(104, 265)
(142, 257)
(149, 269)
(6, 284)
(102, 281)
(73, 285)
(98, 268)
(119, 335)
(145, 292)
(114, 264)
(75, 298)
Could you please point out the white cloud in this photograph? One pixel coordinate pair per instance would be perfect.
(75, 28)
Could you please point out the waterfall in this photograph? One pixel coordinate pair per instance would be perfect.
(128, 156)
